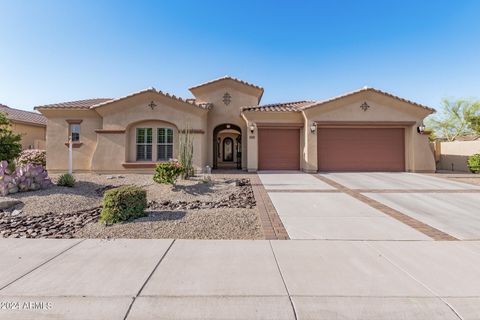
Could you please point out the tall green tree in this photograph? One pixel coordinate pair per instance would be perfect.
(454, 119)
(10, 146)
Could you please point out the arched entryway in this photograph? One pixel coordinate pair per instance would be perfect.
(227, 146)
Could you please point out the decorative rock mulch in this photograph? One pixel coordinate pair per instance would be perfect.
(50, 225)
(243, 199)
(53, 225)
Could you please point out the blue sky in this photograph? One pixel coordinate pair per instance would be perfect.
(54, 51)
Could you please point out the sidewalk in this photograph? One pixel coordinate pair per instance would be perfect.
(195, 279)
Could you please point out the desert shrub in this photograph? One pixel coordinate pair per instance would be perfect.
(66, 180)
(123, 203)
(9, 140)
(474, 163)
(22, 178)
(33, 156)
(167, 172)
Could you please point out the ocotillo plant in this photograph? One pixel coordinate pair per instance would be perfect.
(185, 153)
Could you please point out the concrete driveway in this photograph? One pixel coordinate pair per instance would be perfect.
(374, 206)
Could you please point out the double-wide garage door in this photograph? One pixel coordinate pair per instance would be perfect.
(278, 148)
(361, 149)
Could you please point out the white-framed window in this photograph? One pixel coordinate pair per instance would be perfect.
(144, 144)
(164, 144)
(74, 129)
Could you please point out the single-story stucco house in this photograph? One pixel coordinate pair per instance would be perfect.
(364, 130)
(31, 125)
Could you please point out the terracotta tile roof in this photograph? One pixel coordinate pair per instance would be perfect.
(293, 106)
(23, 116)
(192, 102)
(303, 105)
(372, 90)
(227, 78)
(79, 104)
(99, 102)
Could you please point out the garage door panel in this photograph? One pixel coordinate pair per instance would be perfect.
(278, 149)
(361, 149)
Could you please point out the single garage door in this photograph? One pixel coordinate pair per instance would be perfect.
(278, 149)
(361, 149)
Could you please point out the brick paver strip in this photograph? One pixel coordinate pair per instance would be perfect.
(415, 224)
(272, 224)
(416, 190)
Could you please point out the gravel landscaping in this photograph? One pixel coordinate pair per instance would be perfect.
(222, 207)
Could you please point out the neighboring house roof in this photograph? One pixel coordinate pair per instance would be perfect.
(293, 106)
(364, 89)
(23, 116)
(78, 104)
(205, 106)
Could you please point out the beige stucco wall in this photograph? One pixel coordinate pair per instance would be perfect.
(383, 111)
(134, 113)
(31, 134)
(259, 119)
(226, 114)
(108, 150)
(418, 154)
(455, 154)
(57, 136)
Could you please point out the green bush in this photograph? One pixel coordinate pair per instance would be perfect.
(10, 141)
(474, 163)
(167, 172)
(66, 180)
(123, 203)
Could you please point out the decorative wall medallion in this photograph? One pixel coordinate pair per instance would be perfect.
(227, 98)
(152, 104)
(364, 106)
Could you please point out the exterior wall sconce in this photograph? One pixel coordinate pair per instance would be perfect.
(313, 128)
(252, 128)
(421, 128)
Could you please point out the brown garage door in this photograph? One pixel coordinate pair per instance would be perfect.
(361, 149)
(278, 149)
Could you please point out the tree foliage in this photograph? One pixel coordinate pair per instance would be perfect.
(456, 118)
(10, 146)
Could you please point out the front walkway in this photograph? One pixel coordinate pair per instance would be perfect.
(374, 206)
(195, 279)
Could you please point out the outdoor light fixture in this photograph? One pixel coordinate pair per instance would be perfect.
(421, 128)
(313, 127)
(252, 128)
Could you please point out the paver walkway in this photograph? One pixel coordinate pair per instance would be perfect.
(195, 279)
